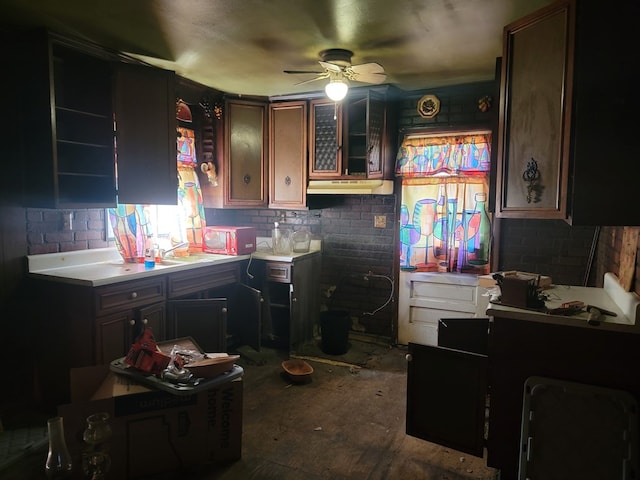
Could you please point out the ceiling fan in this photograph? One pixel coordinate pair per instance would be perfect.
(336, 65)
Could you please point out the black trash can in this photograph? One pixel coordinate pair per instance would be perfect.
(334, 328)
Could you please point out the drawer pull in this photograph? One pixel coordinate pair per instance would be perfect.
(145, 321)
(134, 294)
(132, 322)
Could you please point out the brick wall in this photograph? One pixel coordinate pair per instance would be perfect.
(548, 247)
(51, 231)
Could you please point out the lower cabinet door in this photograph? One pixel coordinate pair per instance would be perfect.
(204, 320)
(245, 316)
(446, 397)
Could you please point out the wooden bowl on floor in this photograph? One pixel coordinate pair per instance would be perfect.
(298, 370)
(212, 367)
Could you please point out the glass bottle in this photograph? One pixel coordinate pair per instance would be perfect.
(58, 464)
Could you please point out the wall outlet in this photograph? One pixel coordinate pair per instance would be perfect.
(380, 221)
(67, 222)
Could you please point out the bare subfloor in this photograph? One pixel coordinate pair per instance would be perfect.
(347, 422)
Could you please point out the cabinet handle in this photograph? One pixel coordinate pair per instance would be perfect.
(408, 357)
(132, 322)
(134, 294)
(294, 299)
(224, 309)
(287, 180)
(246, 179)
(145, 321)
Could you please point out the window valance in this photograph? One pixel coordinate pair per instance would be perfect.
(444, 155)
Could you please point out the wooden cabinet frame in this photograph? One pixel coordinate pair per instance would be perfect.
(535, 114)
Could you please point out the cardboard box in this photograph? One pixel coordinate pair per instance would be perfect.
(488, 280)
(154, 431)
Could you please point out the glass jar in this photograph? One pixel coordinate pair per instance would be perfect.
(96, 460)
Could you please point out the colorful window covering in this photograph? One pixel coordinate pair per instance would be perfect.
(461, 154)
(444, 222)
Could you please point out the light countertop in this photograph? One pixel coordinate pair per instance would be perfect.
(104, 266)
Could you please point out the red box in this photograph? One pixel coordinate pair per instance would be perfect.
(229, 240)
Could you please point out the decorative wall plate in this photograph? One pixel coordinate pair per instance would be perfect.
(428, 106)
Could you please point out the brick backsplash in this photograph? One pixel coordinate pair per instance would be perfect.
(547, 247)
(49, 232)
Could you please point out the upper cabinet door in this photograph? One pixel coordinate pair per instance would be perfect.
(566, 144)
(145, 121)
(245, 154)
(325, 137)
(535, 116)
(288, 155)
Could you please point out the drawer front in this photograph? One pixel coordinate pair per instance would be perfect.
(180, 284)
(278, 272)
(129, 295)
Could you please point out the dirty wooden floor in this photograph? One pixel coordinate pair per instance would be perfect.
(348, 422)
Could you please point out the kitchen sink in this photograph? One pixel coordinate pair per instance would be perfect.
(193, 258)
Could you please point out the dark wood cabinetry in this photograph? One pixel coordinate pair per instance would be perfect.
(81, 325)
(145, 123)
(75, 100)
(245, 154)
(291, 306)
(288, 155)
(564, 133)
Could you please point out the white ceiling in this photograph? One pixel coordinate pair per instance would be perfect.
(243, 46)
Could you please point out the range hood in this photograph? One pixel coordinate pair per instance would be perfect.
(346, 187)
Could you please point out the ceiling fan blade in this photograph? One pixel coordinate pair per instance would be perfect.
(369, 77)
(365, 68)
(332, 67)
(303, 72)
(319, 77)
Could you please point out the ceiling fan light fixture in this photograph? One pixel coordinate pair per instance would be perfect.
(336, 89)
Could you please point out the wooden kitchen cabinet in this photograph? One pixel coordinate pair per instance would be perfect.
(352, 139)
(325, 138)
(145, 123)
(288, 155)
(69, 123)
(245, 172)
(116, 333)
(80, 325)
(563, 129)
(291, 307)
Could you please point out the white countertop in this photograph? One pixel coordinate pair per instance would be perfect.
(104, 266)
(611, 297)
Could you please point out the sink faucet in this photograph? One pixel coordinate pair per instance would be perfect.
(163, 252)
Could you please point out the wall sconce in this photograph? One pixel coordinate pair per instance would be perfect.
(337, 88)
